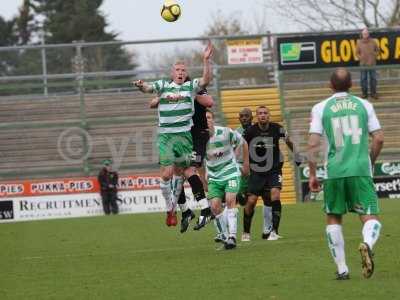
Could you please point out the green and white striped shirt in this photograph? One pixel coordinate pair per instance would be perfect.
(176, 106)
(220, 160)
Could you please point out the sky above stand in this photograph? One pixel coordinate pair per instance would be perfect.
(138, 20)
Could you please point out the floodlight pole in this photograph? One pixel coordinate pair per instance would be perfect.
(79, 64)
(44, 64)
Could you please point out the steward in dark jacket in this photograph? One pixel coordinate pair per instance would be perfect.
(108, 181)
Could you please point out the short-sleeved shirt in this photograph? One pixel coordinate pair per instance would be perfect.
(176, 107)
(265, 155)
(345, 121)
(220, 160)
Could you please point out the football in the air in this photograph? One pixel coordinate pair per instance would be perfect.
(170, 11)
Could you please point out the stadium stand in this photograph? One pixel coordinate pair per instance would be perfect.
(298, 103)
(31, 128)
(119, 125)
(234, 100)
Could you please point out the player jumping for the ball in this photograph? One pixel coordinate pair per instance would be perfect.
(200, 136)
(175, 111)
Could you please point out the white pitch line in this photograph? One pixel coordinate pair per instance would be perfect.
(110, 253)
(241, 245)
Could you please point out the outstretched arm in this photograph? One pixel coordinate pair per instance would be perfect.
(207, 73)
(143, 86)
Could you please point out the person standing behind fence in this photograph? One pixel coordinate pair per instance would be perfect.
(108, 181)
(367, 51)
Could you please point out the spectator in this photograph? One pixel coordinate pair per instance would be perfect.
(367, 51)
(108, 181)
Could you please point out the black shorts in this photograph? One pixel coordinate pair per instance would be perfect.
(200, 139)
(259, 183)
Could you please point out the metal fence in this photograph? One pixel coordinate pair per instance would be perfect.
(55, 69)
(80, 71)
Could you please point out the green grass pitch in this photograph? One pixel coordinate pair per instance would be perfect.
(138, 257)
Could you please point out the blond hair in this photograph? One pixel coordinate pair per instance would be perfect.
(179, 62)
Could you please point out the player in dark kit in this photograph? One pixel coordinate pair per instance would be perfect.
(266, 162)
(245, 119)
(200, 136)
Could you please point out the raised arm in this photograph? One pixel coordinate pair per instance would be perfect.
(207, 73)
(143, 86)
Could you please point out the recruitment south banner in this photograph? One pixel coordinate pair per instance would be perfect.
(15, 209)
(333, 50)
